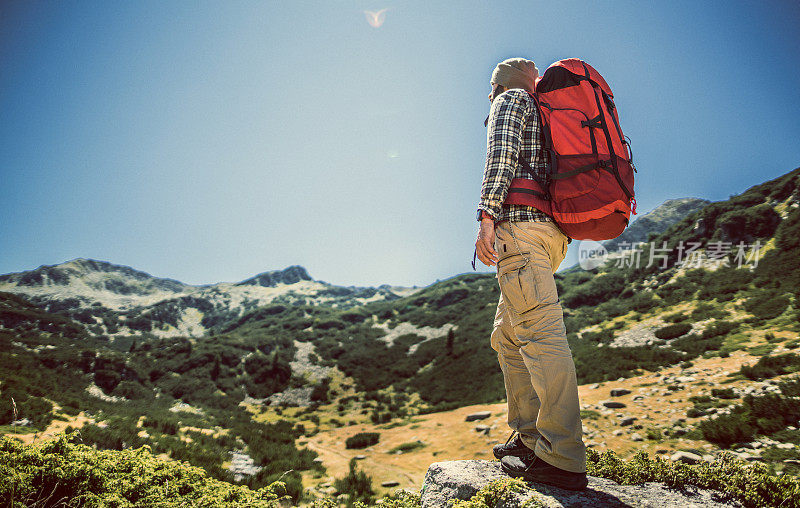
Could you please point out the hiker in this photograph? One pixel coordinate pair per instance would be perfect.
(529, 337)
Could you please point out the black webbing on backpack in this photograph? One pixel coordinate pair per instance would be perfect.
(610, 143)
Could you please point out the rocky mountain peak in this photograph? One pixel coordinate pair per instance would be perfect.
(656, 221)
(290, 275)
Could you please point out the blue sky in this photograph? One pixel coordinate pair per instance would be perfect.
(209, 141)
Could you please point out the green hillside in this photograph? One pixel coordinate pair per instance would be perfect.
(202, 399)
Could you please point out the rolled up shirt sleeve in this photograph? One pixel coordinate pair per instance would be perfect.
(503, 145)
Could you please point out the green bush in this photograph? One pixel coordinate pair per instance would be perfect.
(705, 310)
(790, 387)
(675, 317)
(753, 485)
(723, 393)
(357, 485)
(747, 224)
(729, 429)
(597, 290)
(673, 331)
(407, 447)
(48, 472)
(764, 414)
(766, 304)
(362, 440)
(771, 366)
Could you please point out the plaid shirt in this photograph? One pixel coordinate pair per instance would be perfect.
(514, 131)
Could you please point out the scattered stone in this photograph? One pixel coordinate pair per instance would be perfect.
(360, 457)
(483, 429)
(785, 446)
(481, 415)
(636, 437)
(618, 432)
(390, 484)
(612, 404)
(242, 465)
(619, 392)
(300, 397)
(628, 420)
(686, 457)
(595, 386)
(792, 461)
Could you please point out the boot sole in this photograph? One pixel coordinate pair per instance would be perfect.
(553, 479)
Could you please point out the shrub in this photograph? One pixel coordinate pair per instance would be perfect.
(675, 317)
(407, 447)
(694, 412)
(747, 224)
(753, 485)
(723, 393)
(362, 440)
(673, 331)
(49, 472)
(790, 387)
(357, 485)
(495, 493)
(107, 379)
(718, 328)
(726, 430)
(654, 434)
(767, 304)
(771, 366)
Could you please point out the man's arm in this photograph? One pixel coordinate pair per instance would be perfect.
(503, 142)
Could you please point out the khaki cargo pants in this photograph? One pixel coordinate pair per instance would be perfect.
(531, 344)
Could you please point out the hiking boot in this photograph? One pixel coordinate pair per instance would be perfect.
(533, 469)
(513, 447)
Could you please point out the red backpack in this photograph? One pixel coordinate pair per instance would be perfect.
(588, 189)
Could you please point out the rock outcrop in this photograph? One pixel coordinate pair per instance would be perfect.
(462, 479)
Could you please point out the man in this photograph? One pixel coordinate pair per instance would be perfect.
(529, 335)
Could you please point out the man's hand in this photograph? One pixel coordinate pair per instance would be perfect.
(485, 243)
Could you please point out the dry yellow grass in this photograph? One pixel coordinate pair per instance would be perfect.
(449, 437)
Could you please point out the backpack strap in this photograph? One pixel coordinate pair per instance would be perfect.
(547, 145)
(604, 125)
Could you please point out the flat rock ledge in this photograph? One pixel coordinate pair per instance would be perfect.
(461, 479)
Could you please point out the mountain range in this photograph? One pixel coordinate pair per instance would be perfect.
(117, 300)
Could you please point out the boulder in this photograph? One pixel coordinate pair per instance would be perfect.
(480, 415)
(461, 479)
(686, 457)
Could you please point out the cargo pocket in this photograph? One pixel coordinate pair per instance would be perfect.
(516, 280)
